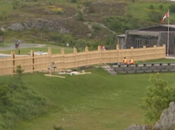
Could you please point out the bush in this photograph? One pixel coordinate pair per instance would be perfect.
(58, 128)
(4, 97)
(172, 7)
(151, 6)
(96, 27)
(160, 7)
(73, 1)
(80, 16)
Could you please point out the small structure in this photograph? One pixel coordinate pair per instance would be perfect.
(149, 36)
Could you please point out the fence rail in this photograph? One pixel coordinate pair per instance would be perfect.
(32, 63)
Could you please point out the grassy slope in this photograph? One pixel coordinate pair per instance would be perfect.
(98, 101)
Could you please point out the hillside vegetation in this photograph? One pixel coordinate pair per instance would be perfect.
(95, 101)
(78, 22)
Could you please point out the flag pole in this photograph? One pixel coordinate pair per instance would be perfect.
(168, 34)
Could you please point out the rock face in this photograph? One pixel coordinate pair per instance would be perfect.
(139, 127)
(51, 25)
(167, 119)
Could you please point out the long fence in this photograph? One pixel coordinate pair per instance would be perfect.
(32, 63)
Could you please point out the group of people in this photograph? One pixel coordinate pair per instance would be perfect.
(125, 61)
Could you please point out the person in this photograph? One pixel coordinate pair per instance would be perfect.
(103, 48)
(124, 61)
(131, 61)
(17, 44)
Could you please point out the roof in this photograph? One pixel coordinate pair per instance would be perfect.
(122, 35)
(137, 32)
(161, 25)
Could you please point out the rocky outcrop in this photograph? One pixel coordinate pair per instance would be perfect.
(139, 127)
(16, 26)
(51, 25)
(167, 119)
(166, 122)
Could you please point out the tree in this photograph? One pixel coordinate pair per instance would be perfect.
(80, 16)
(19, 72)
(4, 90)
(157, 97)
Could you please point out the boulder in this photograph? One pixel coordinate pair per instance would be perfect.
(167, 119)
(138, 127)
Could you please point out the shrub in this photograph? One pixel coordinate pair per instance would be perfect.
(4, 90)
(151, 6)
(80, 16)
(96, 27)
(58, 128)
(160, 7)
(73, 1)
(172, 7)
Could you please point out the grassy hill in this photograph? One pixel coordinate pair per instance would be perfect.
(95, 101)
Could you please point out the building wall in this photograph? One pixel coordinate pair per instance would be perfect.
(163, 40)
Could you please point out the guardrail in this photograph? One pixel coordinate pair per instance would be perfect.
(145, 68)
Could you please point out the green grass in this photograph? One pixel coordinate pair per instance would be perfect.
(163, 60)
(141, 10)
(98, 101)
(5, 7)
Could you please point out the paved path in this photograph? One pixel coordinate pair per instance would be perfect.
(22, 45)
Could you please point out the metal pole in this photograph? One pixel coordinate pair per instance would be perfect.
(168, 35)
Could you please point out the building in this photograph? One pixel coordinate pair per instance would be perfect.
(150, 36)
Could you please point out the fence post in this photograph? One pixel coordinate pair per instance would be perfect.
(75, 52)
(13, 58)
(99, 52)
(145, 56)
(155, 48)
(164, 47)
(62, 53)
(118, 54)
(87, 56)
(132, 52)
(33, 61)
(49, 51)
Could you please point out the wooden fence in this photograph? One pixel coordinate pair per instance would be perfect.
(32, 63)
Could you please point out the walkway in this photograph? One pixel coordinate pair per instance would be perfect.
(22, 45)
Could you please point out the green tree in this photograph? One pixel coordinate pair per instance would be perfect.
(151, 6)
(172, 7)
(160, 7)
(4, 90)
(80, 16)
(58, 128)
(157, 97)
(19, 72)
(73, 1)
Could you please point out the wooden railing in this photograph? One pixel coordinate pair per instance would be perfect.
(32, 63)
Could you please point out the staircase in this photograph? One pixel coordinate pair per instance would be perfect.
(108, 69)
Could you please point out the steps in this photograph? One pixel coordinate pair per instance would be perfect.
(109, 69)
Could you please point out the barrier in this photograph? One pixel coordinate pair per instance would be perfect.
(144, 68)
(32, 63)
